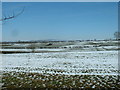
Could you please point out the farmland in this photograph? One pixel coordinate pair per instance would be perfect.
(55, 64)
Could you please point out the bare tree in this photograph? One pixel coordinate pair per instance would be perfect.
(12, 16)
(117, 35)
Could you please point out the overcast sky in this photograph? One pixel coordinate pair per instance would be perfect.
(60, 20)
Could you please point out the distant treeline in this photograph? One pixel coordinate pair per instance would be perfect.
(27, 42)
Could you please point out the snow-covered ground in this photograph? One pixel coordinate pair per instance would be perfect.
(31, 49)
(72, 63)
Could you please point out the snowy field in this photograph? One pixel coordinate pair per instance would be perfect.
(66, 65)
(73, 63)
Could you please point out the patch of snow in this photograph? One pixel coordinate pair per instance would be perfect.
(73, 63)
